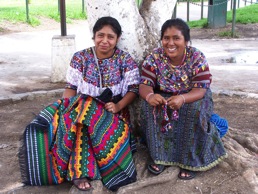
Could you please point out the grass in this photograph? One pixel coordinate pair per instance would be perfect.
(227, 34)
(203, 23)
(15, 10)
(139, 3)
(244, 15)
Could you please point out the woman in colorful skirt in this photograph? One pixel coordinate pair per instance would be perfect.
(177, 105)
(86, 135)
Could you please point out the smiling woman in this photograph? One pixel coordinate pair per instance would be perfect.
(177, 105)
(86, 135)
(106, 38)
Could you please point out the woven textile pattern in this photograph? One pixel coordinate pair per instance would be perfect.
(120, 73)
(75, 138)
(193, 143)
(158, 72)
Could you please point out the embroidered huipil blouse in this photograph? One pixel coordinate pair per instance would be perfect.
(159, 73)
(120, 73)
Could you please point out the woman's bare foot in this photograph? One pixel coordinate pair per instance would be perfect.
(82, 184)
(156, 168)
(186, 174)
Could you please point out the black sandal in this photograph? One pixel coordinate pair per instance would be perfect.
(191, 174)
(77, 182)
(154, 171)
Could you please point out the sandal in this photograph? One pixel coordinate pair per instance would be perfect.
(160, 167)
(188, 174)
(78, 182)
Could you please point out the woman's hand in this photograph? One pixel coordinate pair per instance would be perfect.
(125, 101)
(146, 92)
(112, 107)
(156, 99)
(175, 102)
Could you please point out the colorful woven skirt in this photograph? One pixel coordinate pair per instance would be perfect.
(191, 141)
(76, 138)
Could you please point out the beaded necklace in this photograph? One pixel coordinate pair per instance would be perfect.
(165, 123)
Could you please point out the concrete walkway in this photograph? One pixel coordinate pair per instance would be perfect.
(25, 61)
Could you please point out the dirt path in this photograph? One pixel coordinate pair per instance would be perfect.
(240, 112)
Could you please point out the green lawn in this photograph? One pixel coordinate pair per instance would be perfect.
(244, 15)
(15, 10)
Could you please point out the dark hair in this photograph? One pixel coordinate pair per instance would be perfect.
(103, 21)
(180, 25)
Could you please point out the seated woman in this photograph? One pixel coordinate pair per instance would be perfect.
(86, 135)
(175, 117)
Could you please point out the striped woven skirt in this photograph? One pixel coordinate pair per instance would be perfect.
(191, 142)
(76, 138)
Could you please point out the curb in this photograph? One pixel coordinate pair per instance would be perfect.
(58, 92)
(234, 93)
(30, 96)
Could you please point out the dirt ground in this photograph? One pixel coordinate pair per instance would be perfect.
(241, 114)
(241, 31)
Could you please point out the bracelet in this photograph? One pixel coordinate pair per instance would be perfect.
(183, 98)
(148, 96)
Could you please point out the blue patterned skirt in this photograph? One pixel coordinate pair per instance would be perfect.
(192, 142)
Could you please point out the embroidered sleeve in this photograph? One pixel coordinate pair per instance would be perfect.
(74, 71)
(201, 73)
(131, 76)
(148, 74)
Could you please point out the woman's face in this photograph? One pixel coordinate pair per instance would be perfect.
(174, 44)
(105, 41)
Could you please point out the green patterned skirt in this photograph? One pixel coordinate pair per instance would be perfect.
(76, 138)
